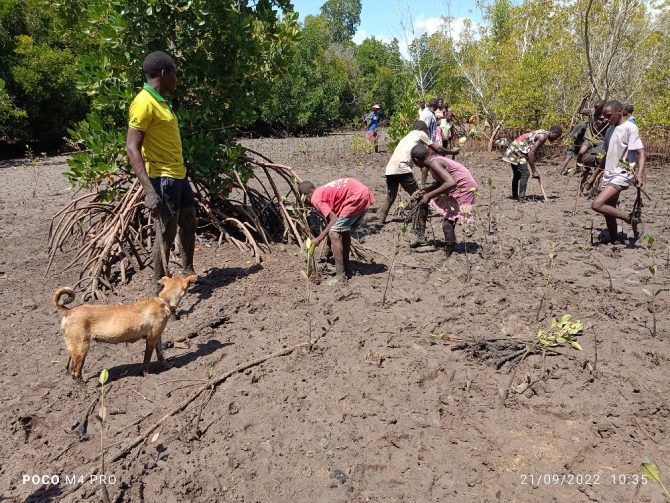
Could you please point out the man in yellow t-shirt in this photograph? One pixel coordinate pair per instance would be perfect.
(155, 153)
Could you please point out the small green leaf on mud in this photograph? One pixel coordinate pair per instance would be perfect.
(104, 375)
(649, 469)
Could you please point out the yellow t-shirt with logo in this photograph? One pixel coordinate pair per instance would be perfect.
(161, 149)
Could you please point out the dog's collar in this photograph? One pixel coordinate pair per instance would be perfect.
(168, 308)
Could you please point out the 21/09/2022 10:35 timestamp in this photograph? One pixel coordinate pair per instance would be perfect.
(589, 479)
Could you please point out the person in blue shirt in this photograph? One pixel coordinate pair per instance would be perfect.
(372, 120)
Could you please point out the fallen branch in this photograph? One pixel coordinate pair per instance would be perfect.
(209, 385)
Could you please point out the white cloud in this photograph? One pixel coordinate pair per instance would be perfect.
(362, 35)
(456, 26)
(427, 25)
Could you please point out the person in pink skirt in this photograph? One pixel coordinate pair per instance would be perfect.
(451, 195)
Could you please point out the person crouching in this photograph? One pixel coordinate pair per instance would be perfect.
(343, 203)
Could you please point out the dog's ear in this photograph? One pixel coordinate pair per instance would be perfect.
(162, 280)
(191, 279)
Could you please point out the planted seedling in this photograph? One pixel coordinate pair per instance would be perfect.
(34, 160)
(309, 256)
(550, 274)
(563, 332)
(361, 145)
(653, 291)
(489, 184)
(650, 471)
(304, 149)
(102, 416)
(403, 230)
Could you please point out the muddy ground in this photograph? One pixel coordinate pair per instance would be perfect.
(383, 409)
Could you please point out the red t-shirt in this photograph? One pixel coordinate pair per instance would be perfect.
(344, 197)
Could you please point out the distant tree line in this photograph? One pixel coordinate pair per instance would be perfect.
(74, 65)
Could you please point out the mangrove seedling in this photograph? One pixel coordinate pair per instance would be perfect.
(650, 471)
(102, 416)
(653, 291)
(489, 184)
(550, 274)
(309, 255)
(403, 230)
(563, 331)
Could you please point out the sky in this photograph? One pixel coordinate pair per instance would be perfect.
(381, 19)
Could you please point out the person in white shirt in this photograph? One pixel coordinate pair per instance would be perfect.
(427, 115)
(624, 167)
(399, 168)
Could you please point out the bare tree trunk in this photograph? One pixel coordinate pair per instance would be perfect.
(493, 136)
(587, 47)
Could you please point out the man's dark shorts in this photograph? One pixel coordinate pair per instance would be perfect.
(175, 195)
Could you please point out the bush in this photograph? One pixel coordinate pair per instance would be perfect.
(12, 119)
(44, 82)
(227, 54)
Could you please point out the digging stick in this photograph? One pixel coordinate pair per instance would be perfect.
(544, 194)
(161, 245)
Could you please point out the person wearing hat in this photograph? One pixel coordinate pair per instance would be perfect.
(372, 120)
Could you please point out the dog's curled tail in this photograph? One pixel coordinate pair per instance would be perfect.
(57, 297)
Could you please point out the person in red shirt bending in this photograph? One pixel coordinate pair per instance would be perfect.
(343, 204)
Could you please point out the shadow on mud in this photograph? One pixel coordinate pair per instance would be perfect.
(134, 369)
(365, 269)
(44, 494)
(218, 277)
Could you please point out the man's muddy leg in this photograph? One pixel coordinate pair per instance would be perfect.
(338, 253)
(391, 193)
(605, 204)
(346, 252)
(448, 227)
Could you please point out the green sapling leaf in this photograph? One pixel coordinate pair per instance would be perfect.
(649, 469)
(104, 375)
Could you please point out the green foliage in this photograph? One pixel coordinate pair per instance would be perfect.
(226, 54)
(12, 119)
(649, 239)
(524, 67)
(104, 375)
(651, 472)
(317, 88)
(38, 97)
(383, 78)
(343, 18)
(402, 120)
(563, 331)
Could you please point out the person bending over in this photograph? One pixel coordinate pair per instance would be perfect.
(343, 203)
(522, 154)
(451, 195)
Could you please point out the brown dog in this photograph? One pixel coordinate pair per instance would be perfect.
(120, 323)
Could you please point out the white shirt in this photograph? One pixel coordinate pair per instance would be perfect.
(401, 160)
(624, 140)
(427, 116)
